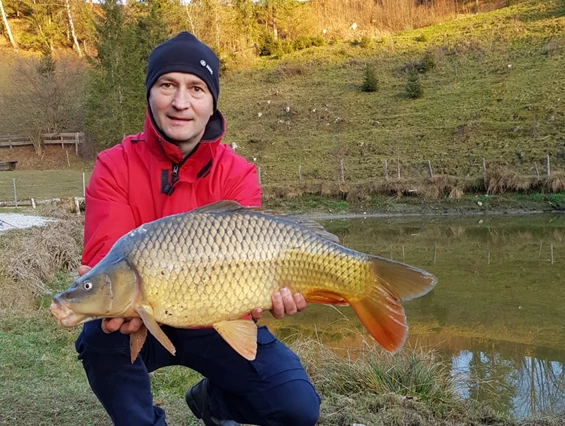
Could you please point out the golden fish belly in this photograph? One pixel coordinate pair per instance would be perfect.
(201, 281)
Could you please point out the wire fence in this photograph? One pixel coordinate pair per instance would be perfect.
(34, 187)
(19, 188)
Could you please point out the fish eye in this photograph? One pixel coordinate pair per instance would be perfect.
(87, 285)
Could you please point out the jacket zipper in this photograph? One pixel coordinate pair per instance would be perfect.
(175, 175)
(174, 178)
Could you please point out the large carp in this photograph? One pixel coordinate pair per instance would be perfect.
(213, 265)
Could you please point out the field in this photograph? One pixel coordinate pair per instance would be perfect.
(493, 88)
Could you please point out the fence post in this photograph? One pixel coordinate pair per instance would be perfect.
(32, 203)
(548, 166)
(77, 205)
(342, 170)
(430, 169)
(77, 137)
(386, 171)
(300, 174)
(485, 173)
(536, 167)
(259, 174)
(83, 185)
(15, 192)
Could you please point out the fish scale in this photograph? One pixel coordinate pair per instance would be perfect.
(251, 272)
(214, 265)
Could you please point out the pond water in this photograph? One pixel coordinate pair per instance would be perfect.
(496, 317)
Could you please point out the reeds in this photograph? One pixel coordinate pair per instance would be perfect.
(370, 370)
(30, 259)
(501, 179)
(498, 180)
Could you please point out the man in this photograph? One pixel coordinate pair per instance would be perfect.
(177, 164)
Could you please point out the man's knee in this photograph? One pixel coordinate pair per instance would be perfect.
(300, 405)
(93, 339)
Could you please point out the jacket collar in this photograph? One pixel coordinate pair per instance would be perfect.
(167, 151)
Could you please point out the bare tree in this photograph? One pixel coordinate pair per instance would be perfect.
(44, 97)
(72, 25)
(7, 25)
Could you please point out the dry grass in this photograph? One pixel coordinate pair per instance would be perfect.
(555, 183)
(370, 369)
(499, 180)
(373, 18)
(30, 259)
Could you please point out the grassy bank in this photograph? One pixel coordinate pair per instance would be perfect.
(43, 383)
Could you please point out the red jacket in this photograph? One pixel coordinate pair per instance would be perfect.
(134, 182)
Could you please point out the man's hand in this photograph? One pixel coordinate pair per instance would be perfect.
(284, 303)
(109, 325)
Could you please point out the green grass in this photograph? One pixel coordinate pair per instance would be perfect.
(42, 184)
(475, 106)
(44, 384)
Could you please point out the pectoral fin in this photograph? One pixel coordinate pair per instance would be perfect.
(136, 341)
(241, 335)
(146, 314)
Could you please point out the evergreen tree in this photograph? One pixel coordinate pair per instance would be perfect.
(45, 24)
(116, 97)
(104, 113)
(370, 81)
(414, 88)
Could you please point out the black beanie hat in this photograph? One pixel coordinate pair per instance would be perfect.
(184, 53)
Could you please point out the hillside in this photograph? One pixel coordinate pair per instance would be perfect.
(497, 91)
(493, 89)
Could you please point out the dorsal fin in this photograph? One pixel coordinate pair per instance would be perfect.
(219, 207)
(226, 206)
(316, 228)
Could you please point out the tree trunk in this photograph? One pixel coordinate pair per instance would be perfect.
(72, 25)
(7, 25)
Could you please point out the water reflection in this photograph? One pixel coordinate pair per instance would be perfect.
(496, 316)
(524, 385)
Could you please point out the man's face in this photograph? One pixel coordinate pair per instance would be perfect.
(181, 104)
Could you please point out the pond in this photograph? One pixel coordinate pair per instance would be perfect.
(496, 317)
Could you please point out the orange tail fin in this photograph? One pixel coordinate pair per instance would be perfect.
(380, 311)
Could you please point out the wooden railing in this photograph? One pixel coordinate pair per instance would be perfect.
(75, 139)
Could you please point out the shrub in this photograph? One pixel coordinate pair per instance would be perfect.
(318, 41)
(423, 38)
(365, 42)
(370, 81)
(302, 42)
(267, 45)
(414, 88)
(427, 63)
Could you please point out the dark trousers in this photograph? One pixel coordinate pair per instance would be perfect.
(271, 390)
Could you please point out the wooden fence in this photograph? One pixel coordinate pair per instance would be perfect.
(74, 138)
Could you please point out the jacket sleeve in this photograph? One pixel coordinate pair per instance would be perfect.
(245, 189)
(108, 215)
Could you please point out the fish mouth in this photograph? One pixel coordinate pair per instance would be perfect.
(66, 315)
